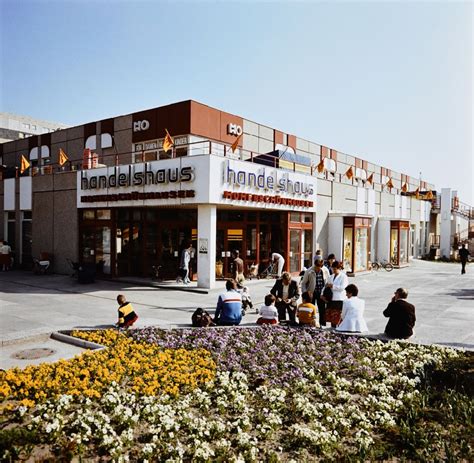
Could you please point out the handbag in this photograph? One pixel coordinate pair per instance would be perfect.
(327, 294)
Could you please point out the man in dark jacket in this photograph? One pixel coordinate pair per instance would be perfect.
(401, 316)
(464, 256)
(287, 293)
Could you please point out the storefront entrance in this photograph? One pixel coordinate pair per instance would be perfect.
(143, 238)
(356, 244)
(399, 242)
(255, 234)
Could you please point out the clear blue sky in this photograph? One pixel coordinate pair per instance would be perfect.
(389, 82)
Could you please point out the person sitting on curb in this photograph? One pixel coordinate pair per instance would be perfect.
(126, 315)
(307, 312)
(268, 312)
(352, 318)
(229, 306)
(401, 315)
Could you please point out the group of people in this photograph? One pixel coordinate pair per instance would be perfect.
(326, 298)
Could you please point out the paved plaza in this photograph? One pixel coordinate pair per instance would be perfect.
(33, 305)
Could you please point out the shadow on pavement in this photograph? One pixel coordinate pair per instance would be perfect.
(467, 294)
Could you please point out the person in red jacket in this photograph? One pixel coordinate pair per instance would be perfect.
(401, 315)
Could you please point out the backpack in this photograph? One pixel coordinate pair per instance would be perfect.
(201, 318)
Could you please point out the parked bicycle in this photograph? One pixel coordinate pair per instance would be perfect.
(384, 264)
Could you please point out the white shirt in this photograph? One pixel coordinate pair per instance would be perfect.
(339, 284)
(276, 256)
(5, 249)
(353, 315)
(268, 312)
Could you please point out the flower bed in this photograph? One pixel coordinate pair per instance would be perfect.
(278, 394)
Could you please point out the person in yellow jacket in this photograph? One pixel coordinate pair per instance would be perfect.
(126, 315)
(307, 312)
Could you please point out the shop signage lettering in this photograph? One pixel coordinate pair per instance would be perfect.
(264, 180)
(234, 129)
(141, 126)
(143, 177)
(236, 196)
(138, 195)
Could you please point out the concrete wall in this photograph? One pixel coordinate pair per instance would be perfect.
(55, 219)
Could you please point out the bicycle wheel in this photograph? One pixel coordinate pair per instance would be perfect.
(388, 266)
(375, 266)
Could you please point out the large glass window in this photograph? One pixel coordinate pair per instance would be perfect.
(295, 250)
(347, 252)
(403, 245)
(394, 246)
(361, 248)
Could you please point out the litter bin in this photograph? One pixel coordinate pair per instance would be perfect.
(86, 273)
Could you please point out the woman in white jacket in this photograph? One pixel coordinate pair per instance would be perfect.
(352, 318)
(337, 283)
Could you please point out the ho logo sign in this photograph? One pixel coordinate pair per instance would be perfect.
(141, 126)
(234, 129)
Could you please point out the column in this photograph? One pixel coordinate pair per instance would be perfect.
(445, 229)
(206, 258)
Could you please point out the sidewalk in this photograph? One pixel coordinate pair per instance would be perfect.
(36, 304)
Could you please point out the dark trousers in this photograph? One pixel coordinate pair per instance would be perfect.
(321, 308)
(283, 308)
(463, 266)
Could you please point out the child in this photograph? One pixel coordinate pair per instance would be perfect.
(307, 312)
(126, 314)
(268, 312)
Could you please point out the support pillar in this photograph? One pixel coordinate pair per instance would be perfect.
(206, 261)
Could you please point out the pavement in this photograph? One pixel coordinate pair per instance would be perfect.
(34, 305)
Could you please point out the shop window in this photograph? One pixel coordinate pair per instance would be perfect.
(307, 218)
(103, 214)
(403, 245)
(106, 140)
(91, 142)
(348, 245)
(295, 217)
(88, 214)
(361, 248)
(394, 246)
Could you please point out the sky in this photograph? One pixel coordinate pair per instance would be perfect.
(390, 82)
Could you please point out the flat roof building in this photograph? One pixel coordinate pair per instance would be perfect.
(125, 202)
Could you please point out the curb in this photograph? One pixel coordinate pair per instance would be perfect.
(67, 339)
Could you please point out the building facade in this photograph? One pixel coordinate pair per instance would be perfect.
(16, 127)
(125, 204)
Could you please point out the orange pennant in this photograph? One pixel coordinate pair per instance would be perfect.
(389, 184)
(349, 173)
(235, 145)
(25, 164)
(320, 166)
(370, 179)
(167, 142)
(62, 157)
(417, 193)
(404, 188)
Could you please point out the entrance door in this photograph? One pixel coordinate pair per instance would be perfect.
(227, 241)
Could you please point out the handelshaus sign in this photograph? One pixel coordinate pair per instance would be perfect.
(203, 179)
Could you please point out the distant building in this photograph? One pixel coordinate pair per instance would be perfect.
(15, 127)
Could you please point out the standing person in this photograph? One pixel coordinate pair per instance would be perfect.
(268, 312)
(238, 268)
(318, 255)
(352, 317)
(328, 264)
(401, 316)
(279, 261)
(337, 283)
(307, 311)
(186, 255)
(287, 293)
(314, 280)
(229, 306)
(5, 255)
(126, 315)
(464, 256)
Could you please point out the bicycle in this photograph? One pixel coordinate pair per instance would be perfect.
(384, 264)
